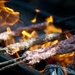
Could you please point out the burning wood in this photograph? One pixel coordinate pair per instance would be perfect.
(12, 48)
(61, 47)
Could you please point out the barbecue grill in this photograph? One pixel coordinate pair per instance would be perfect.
(27, 12)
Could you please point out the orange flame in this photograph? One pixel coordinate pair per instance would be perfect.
(8, 29)
(7, 15)
(2, 2)
(68, 58)
(37, 10)
(50, 28)
(25, 33)
(35, 18)
(49, 19)
(7, 42)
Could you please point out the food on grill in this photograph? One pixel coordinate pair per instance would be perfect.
(61, 47)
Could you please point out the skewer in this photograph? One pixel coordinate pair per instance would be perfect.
(37, 55)
(6, 35)
(11, 65)
(61, 47)
(11, 60)
(12, 48)
(21, 61)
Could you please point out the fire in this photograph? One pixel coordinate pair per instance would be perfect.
(34, 20)
(2, 2)
(68, 34)
(25, 33)
(34, 34)
(49, 19)
(29, 35)
(68, 58)
(8, 29)
(35, 17)
(7, 15)
(62, 59)
(11, 40)
(50, 28)
(37, 10)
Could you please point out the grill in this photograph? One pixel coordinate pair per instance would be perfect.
(27, 13)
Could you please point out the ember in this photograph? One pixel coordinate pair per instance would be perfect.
(54, 48)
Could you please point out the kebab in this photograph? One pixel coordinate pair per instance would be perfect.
(35, 56)
(61, 47)
(6, 35)
(13, 48)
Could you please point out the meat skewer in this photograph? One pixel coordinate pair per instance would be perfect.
(6, 35)
(13, 48)
(61, 47)
(39, 26)
(37, 55)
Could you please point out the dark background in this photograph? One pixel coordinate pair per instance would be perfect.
(57, 8)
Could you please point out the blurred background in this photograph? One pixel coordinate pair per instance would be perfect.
(57, 8)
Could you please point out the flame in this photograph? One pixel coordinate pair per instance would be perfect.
(68, 34)
(49, 19)
(11, 40)
(37, 10)
(25, 33)
(2, 2)
(35, 17)
(50, 28)
(46, 44)
(7, 15)
(8, 29)
(34, 20)
(34, 34)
